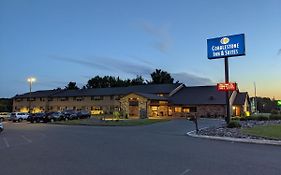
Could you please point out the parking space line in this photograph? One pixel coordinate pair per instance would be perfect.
(185, 172)
(6, 142)
(26, 139)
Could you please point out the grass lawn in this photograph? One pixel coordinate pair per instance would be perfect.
(95, 122)
(270, 131)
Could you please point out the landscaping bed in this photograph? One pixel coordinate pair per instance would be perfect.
(255, 128)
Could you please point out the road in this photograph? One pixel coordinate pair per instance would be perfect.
(157, 149)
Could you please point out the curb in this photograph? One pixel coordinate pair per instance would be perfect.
(230, 139)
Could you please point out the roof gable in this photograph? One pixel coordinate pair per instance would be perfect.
(198, 95)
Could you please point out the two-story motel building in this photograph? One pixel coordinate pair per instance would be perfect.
(152, 100)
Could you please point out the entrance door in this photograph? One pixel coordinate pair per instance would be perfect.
(133, 108)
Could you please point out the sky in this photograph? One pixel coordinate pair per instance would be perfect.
(58, 41)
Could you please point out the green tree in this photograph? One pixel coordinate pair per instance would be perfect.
(71, 86)
(161, 77)
(137, 81)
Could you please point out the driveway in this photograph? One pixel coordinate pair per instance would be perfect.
(157, 149)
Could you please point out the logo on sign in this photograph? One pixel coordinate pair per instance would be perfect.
(224, 40)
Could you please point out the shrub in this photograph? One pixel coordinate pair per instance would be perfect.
(262, 117)
(234, 124)
(235, 118)
(244, 118)
(274, 111)
(275, 117)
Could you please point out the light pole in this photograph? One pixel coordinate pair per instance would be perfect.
(30, 80)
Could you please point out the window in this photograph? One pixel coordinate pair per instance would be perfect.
(50, 99)
(78, 98)
(186, 110)
(177, 109)
(193, 109)
(133, 103)
(42, 99)
(154, 108)
(19, 99)
(31, 99)
(96, 98)
(64, 99)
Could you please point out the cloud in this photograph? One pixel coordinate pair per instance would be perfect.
(191, 80)
(162, 35)
(108, 64)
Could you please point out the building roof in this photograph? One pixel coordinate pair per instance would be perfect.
(240, 98)
(38, 94)
(198, 95)
(152, 96)
(147, 89)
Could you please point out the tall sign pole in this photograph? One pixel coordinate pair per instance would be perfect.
(225, 47)
(226, 70)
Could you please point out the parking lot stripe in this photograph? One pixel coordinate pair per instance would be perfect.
(26, 139)
(185, 172)
(6, 142)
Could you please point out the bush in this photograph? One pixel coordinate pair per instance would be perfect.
(274, 111)
(262, 118)
(275, 117)
(234, 124)
(235, 118)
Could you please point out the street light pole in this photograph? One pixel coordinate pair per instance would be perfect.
(30, 80)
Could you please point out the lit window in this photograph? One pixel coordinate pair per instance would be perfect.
(177, 109)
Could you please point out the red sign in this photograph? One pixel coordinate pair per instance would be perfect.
(227, 86)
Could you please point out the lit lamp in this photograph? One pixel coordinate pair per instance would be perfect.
(30, 80)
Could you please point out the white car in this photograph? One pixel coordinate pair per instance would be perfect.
(4, 116)
(19, 116)
(1, 127)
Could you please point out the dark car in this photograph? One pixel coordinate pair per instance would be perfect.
(38, 117)
(55, 116)
(83, 114)
(70, 114)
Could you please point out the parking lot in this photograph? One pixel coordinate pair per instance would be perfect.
(161, 148)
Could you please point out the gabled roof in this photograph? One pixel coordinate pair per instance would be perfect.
(152, 96)
(198, 95)
(38, 94)
(148, 89)
(240, 98)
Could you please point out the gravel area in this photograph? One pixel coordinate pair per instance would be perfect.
(223, 131)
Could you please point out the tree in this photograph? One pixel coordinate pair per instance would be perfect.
(137, 81)
(161, 77)
(71, 86)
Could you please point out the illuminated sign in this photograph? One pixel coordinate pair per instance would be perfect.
(279, 103)
(227, 86)
(226, 46)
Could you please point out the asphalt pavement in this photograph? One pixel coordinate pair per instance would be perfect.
(157, 149)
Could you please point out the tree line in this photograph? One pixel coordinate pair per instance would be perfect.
(157, 77)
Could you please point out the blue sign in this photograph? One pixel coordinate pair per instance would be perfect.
(226, 46)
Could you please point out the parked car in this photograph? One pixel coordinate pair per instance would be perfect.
(38, 117)
(4, 116)
(70, 114)
(19, 116)
(83, 114)
(55, 116)
(1, 127)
